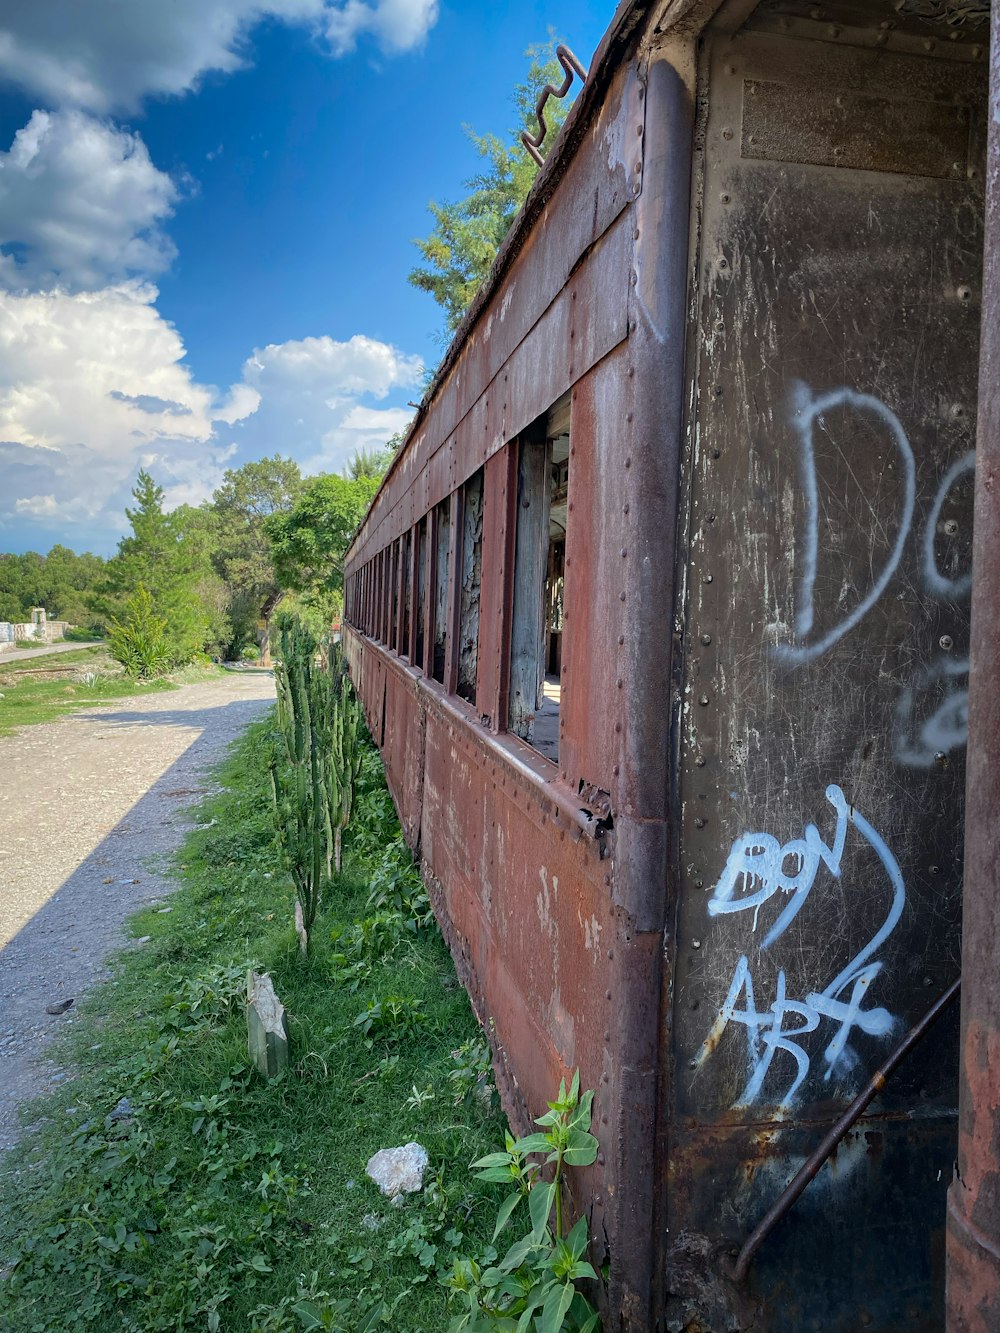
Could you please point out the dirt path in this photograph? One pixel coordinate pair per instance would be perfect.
(85, 802)
(12, 655)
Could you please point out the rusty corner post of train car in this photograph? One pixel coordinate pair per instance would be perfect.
(973, 1246)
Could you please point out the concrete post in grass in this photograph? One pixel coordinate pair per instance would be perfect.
(267, 1028)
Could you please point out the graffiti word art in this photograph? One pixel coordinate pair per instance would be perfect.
(758, 868)
(806, 411)
(932, 712)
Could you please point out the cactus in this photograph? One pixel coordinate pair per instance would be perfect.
(303, 783)
(315, 771)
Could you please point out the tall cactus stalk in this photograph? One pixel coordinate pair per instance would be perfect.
(305, 785)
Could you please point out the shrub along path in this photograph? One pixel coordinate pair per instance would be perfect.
(84, 802)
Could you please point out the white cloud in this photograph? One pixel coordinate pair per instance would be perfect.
(38, 506)
(94, 386)
(397, 25)
(102, 54)
(81, 203)
(309, 398)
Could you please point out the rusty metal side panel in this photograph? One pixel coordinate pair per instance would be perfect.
(403, 748)
(492, 593)
(973, 1288)
(583, 323)
(524, 903)
(822, 723)
(594, 675)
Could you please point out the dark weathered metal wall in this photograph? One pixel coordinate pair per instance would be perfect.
(974, 1196)
(822, 721)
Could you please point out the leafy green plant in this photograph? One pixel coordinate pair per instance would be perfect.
(139, 641)
(250, 652)
(392, 1017)
(532, 1289)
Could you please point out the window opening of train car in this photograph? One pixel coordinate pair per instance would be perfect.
(405, 593)
(536, 641)
(419, 609)
(442, 529)
(471, 570)
(393, 639)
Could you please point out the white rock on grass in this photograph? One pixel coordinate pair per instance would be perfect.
(398, 1170)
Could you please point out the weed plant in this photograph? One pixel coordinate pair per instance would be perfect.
(168, 1187)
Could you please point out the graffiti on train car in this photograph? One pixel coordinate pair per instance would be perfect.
(758, 867)
(931, 716)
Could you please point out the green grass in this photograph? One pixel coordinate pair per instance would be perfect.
(227, 1202)
(29, 697)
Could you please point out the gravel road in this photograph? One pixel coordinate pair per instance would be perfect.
(88, 805)
(22, 654)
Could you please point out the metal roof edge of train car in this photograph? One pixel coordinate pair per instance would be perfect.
(613, 47)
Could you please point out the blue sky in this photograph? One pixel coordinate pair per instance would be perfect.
(206, 218)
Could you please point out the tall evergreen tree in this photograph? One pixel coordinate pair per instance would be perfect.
(171, 565)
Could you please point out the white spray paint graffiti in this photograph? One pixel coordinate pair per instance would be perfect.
(806, 410)
(759, 859)
(923, 730)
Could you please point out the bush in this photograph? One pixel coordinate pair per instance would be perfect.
(250, 653)
(82, 634)
(138, 642)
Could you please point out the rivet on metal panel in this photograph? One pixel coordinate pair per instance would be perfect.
(976, 52)
(628, 460)
(730, 69)
(699, 883)
(946, 642)
(703, 700)
(696, 944)
(618, 726)
(700, 822)
(621, 640)
(706, 639)
(727, 133)
(716, 453)
(935, 870)
(964, 293)
(619, 682)
(941, 759)
(607, 996)
(725, 197)
(631, 372)
(604, 1078)
(718, 391)
(724, 262)
(621, 597)
(607, 1036)
(624, 508)
(615, 771)
(638, 130)
(833, 30)
(700, 761)
(708, 578)
(624, 553)
(635, 234)
(628, 416)
(611, 954)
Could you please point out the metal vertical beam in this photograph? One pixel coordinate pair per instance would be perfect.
(973, 1246)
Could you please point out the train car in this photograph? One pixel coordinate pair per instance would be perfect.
(661, 622)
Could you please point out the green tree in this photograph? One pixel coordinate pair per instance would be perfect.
(467, 234)
(310, 541)
(374, 462)
(242, 555)
(168, 556)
